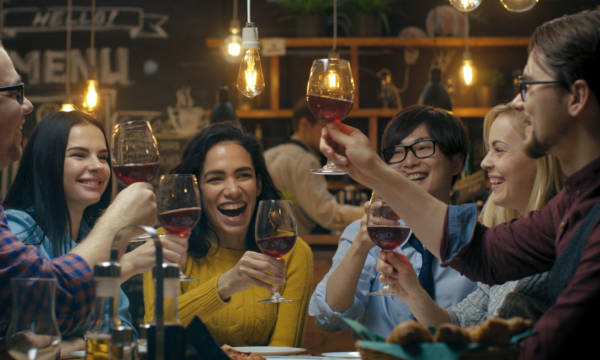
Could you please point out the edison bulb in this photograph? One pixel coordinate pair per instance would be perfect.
(332, 80)
(91, 96)
(250, 81)
(467, 71)
(232, 48)
(465, 5)
(518, 5)
(67, 107)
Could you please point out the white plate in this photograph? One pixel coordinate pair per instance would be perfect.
(78, 353)
(295, 357)
(343, 354)
(270, 350)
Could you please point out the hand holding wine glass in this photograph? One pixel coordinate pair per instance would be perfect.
(179, 205)
(275, 233)
(134, 152)
(330, 96)
(385, 230)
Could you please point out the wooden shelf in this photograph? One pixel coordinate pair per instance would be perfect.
(395, 42)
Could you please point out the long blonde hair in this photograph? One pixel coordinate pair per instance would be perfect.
(548, 178)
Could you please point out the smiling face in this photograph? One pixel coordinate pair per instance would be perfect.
(12, 114)
(86, 170)
(434, 174)
(229, 190)
(510, 171)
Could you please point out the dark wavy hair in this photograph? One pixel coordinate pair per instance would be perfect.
(447, 130)
(38, 186)
(192, 162)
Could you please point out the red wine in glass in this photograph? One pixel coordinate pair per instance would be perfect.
(277, 246)
(329, 109)
(180, 221)
(388, 237)
(131, 173)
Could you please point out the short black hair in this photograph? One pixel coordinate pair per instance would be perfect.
(447, 130)
(300, 111)
(192, 162)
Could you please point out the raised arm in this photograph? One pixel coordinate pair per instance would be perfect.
(421, 211)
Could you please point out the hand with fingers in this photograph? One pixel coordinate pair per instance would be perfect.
(143, 258)
(396, 271)
(252, 269)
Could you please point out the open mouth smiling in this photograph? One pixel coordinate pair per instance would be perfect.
(232, 210)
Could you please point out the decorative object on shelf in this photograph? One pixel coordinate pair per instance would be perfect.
(465, 5)
(389, 94)
(310, 16)
(434, 93)
(518, 5)
(368, 16)
(232, 46)
(445, 21)
(250, 80)
(184, 117)
(90, 99)
(68, 103)
(223, 110)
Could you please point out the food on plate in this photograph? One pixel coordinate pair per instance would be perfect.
(498, 331)
(409, 332)
(452, 334)
(233, 354)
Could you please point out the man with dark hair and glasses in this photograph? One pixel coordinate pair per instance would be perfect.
(427, 146)
(560, 93)
(75, 285)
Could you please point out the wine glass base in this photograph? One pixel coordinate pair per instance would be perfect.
(329, 171)
(276, 300)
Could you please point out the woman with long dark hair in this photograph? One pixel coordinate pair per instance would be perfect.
(61, 188)
(222, 252)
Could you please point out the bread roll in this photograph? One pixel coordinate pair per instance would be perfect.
(409, 332)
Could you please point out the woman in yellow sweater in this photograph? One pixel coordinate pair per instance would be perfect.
(233, 275)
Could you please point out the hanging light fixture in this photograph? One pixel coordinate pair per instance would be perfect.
(90, 99)
(518, 5)
(465, 5)
(232, 46)
(467, 65)
(68, 104)
(250, 80)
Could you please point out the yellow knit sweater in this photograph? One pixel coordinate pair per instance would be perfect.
(242, 321)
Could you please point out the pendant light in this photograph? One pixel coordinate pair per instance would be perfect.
(232, 46)
(250, 80)
(467, 70)
(465, 5)
(90, 99)
(68, 104)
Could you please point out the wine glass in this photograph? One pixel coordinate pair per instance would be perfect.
(33, 332)
(178, 202)
(275, 233)
(386, 230)
(134, 152)
(330, 96)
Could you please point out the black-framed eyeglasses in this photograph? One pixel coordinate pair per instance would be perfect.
(524, 83)
(19, 90)
(421, 149)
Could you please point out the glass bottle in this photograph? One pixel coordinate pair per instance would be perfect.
(122, 343)
(174, 331)
(97, 338)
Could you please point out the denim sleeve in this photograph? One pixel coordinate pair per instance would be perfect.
(124, 313)
(326, 318)
(461, 226)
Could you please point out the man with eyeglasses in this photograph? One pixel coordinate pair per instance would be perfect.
(560, 91)
(75, 287)
(427, 146)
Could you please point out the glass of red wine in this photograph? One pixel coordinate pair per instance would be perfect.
(178, 202)
(275, 233)
(134, 152)
(330, 96)
(386, 230)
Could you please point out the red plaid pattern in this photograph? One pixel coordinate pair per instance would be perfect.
(75, 285)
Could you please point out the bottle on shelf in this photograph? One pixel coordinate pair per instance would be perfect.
(174, 330)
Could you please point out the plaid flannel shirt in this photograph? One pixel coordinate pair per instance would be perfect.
(75, 285)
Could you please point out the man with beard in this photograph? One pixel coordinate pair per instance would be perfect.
(559, 90)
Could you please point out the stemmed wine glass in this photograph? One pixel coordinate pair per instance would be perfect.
(33, 332)
(330, 96)
(275, 233)
(386, 230)
(134, 152)
(178, 202)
